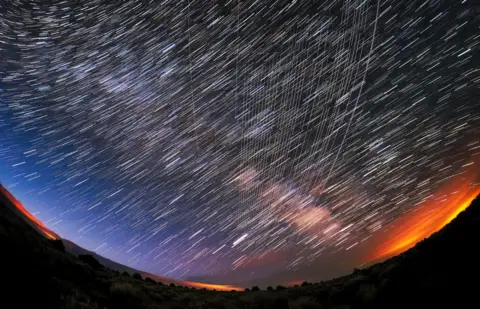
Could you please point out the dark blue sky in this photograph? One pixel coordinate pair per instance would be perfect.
(235, 143)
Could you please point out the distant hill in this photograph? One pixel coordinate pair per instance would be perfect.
(76, 250)
(38, 271)
(19, 210)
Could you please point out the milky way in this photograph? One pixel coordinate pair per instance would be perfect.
(189, 138)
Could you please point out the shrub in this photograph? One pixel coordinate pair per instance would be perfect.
(305, 283)
(125, 274)
(269, 288)
(247, 290)
(255, 289)
(366, 293)
(280, 288)
(90, 260)
(125, 296)
(172, 285)
(263, 300)
(137, 276)
(77, 300)
(305, 303)
(216, 301)
(150, 280)
(69, 301)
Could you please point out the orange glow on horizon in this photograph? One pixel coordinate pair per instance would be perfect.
(192, 284)
(406, 231)
(208, 286)
(45, 230)
(294, 282)
(429, 217)
(52, 235)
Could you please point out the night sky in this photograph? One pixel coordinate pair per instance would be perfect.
(236, 141)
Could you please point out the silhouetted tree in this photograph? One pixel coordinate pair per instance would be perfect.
(247, 290)
(255, 288)
(171, 285)
(280, 287)
(269, 288)
(305, 283)
(137, 276)
(150, 280)
(125, 274)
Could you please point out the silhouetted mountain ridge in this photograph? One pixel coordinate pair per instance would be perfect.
(76, 250)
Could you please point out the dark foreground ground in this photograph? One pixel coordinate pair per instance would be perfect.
(440, 272)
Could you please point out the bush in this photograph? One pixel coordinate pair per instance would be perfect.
(172, 285)
(90, 260)
(137, 276)
(150, 280)
(125, 296)
(247, 290)
(269, 288)
(77, 300)
(216, 301)
(305, 283)
(281, 288)
(366, 293)
(255, 289)
(305, 303)
(125, 274)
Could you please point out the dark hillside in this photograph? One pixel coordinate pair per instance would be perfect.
(438, 272)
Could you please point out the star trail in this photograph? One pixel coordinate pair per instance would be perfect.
(207, 138)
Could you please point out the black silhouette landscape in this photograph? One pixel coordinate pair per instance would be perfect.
(439, 272)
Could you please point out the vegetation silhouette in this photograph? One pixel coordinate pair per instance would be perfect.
(438, 272)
